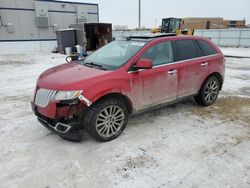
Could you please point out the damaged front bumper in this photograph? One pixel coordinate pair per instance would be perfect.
(69, 129)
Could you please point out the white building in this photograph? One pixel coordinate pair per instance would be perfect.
(30, 25)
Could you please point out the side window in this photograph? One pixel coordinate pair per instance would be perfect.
(206, 48)
(199, 53)
(161, 53)
(185, 49)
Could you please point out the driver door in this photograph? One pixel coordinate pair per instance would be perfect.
(158, 84)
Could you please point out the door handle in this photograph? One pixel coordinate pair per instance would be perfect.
(171, 72)
(204, 64)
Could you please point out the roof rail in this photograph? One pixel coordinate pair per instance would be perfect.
(150, 36)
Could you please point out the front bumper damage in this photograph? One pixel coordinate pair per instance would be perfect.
(63, 123)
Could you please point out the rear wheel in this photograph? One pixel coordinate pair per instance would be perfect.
(209, 91)
(106, 119)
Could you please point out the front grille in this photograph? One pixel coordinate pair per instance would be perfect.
(44, 96)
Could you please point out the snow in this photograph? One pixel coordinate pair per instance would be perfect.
(182, 145)
(244, 52)
(237, 81)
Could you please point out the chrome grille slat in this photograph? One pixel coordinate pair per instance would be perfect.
(51, 96)
(44, 96)
(47, 96)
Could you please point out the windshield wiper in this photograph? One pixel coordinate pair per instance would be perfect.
(92, 64)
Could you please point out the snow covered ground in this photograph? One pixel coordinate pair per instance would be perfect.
(182, 145)
(244, 52)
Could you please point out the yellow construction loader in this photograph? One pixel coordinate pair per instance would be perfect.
(173, 25)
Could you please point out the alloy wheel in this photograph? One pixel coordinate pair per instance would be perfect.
(109, 121)
(211, 91)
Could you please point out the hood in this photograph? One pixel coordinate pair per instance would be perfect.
(66, 76)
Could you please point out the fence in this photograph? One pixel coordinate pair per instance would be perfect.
(227, 37)
(222, 37)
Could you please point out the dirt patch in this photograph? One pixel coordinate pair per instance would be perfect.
(228, 109)
(132, 164)
(223, 148)
(139, 162)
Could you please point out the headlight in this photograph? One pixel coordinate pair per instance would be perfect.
(67, 95)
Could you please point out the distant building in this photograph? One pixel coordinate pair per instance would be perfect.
(212, 23)
(32, 24)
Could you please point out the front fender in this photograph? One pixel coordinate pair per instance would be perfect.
(97, 91)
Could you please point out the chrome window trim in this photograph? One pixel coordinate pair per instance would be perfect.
(175, 62)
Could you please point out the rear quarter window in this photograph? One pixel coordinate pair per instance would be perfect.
(186, 49)
(206, 48)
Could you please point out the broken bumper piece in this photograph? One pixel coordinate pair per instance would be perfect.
(67, 130)
(63, 130)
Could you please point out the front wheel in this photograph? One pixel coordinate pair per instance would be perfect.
(209, 91)
(106, 119)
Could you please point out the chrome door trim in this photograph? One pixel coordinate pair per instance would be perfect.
(172, 72)
(175, 62)
(203, 65)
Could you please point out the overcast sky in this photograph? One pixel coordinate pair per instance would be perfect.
(125, 12)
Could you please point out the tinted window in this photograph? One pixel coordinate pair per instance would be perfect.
(185, 50)
(160, 54)
(206, 48)
(198, 50)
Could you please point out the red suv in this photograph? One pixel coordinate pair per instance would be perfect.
(125, 77)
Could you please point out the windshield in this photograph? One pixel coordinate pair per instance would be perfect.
(115, 54)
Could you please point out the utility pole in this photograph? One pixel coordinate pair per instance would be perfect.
(139, 21)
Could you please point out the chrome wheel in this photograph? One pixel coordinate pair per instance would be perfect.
(109, 121)
(211, 91)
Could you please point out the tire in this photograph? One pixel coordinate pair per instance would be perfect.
(106, 119)
(209, 91)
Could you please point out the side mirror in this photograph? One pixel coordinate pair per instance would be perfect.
(144, 64)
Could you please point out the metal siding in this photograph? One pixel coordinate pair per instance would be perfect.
(59, 7)
(68, 2)
(9, 17)
(93, 9)
(8, 3)
(24, 22)
(93, 18)
(25, 4)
